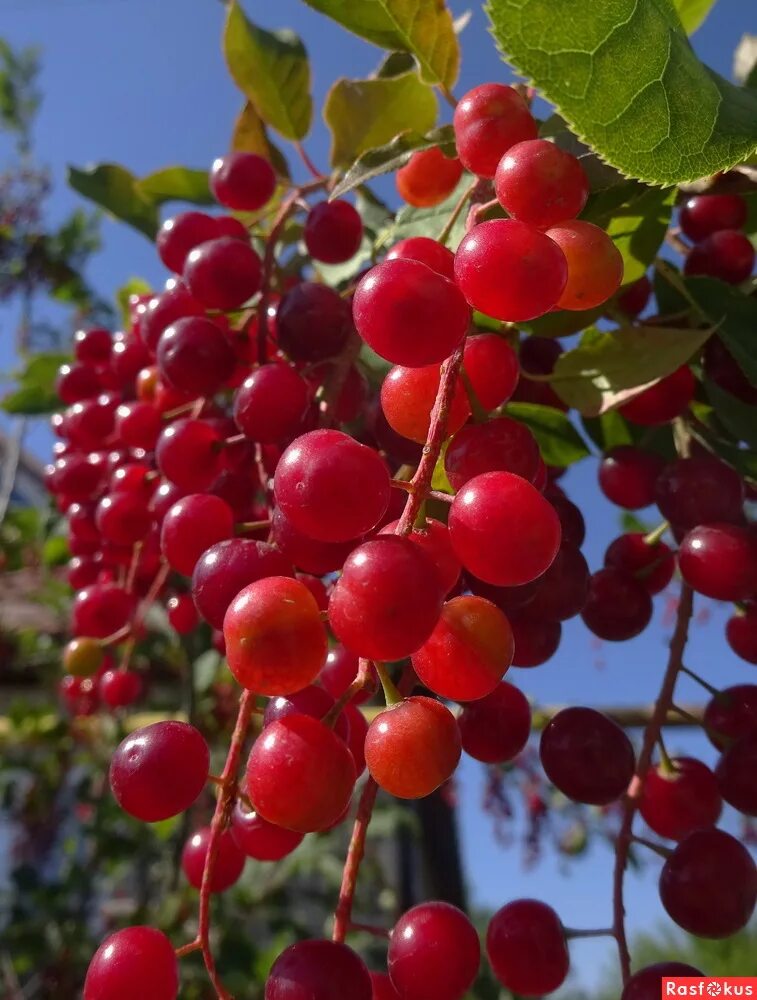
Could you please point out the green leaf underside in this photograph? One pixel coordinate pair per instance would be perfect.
(692, 13)
(638, 229)
(735, 316)
(623, 75)
(271, 69)
(176, 184)
(559, 442)
(36, 393)
(422, 27)
(737, 417)
(393, 155)
(250, 136)
(598, 375)
(364, 114)
(116, 189)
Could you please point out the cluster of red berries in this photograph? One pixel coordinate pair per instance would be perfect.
(229, 459)
(713, 222)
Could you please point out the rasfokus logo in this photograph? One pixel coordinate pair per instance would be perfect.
(729, 986)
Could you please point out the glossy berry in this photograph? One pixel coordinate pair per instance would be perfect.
(226, 568)
(259, 839)
(570, 517)
(93, 346)
(133, 962)
(489, 120)
(652, 565)
(694, 491)
(270, 404)
(77, 382)
(413, 747)
(510, 270)
(646, 984)
(587, 756)
(539, 183)
(159, 771)
(741, 634)
(162, 310)
(500, 445)
(242, 181)
(188, 453)
(308, 554)
(496, 728)
(101, 610)
(408, 396)
(705, 214)
(382, 987)
(191, 526)
(536, 640)
(429, 252)
(229, 862)
(275, 641)
(720, 561)
(428, 177)
(182, 614)
(195, 356)
(675, 803)
(434, 539)
(333, 231)
(119, 688)
(409, 314)
(663, 401)
(300, 775)
(595, 265)
(708, 885)
(312, 322)
(735, 775)
(223, 273)
(561, 592)
(138, 425)
(388, 599)
(503, 530)
(339, 671)
(434, 953)
(727, 254)
(82, 657)
(469, 651)
(634, 297)
(627, 476)
(491, 365)
(311, 700)
(618, 606)
(123, 518)
(526, 946)
(731, 714)
(179, 235)
(331, 487)
(318, 970)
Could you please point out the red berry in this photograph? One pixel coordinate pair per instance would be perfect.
(189, 453)
(434, 953)
(646, 984)
(674, 804)
(434, 539)
(408, 396)
(162, 310)
(708, 885)
(339, 671)
(489, 120)
(223, 273)
(595, 265)
(333, 231)
(77, 382)
(226, 568)
(652, 565)
(562, 591)
(587, 756)
(270, 404)
(492, 368)
(382, 987)
(618, 606)
(536, 640)
(570, 517)
(663, 401)
(307, 553)
(510, 270)
(527, 949)
(181, 234)
(312, 701)
(627, 476)
(727, 254)
(195, 356)
(735, 775)
(191, 526)
(429, 252)
(387, 600)
(503, 530)
(705, 214)
(123, 518)
(634, 298)
(500, 445)
(731, 714)
(229, 862)
(694, 491)
(160, 770)
(318, 970)
(242, 181)
(413, 747)
(182, 614)
(138, 425)
(312, 322)
(469, 651)
(428, 177)
(720, 561)
(496, 728)
(300, 775)
(539, 183)
(101, 610)
(119, 688)
(741, 633)
(136, 961)
(409, 314)
(93, 346)
(259, 839)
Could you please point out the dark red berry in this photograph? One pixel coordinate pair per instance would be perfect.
(675, 803)
(318, 970)
(618, 606)
(242, 181)
(627, 476)
(229, 861)
(333, 231)
(526, 945)
(136, 961)
(496, 728)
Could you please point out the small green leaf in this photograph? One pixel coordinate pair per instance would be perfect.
(625, 78)
(115, 189)
(736, 416)
(563, 322)
(440, 480)
(395, 154)
(733, 314)
(421, 27)
(36, 393)
(559, 442)
(692, 13)
(176, 184)
(629, 522)
(364, 114)
(55, 551)
(427, 221)
(610, 430)
(602, 372)
(271, 69)
(251, 136)
(638, 229)
(395, 64)
(134, 286)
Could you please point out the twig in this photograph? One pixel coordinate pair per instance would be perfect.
(455, 215)
(355, 854)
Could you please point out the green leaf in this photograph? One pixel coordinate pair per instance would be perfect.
(602, 371)
(735, 316)
(625, 78)
(427, 221)
(395, 154)
(134, 286)
(176, 184)
(610, 430)
(364, 114)
(36, 386)
(736, 416)
(440, 479)
(116, 189)
(396, 63)
(251, 136)
(692, 13)
(271, 69)
(559, 442)
(55, 551)
(563, 322)
(638, 229)
(421, 27)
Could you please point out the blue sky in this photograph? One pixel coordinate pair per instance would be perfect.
(143, 84)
